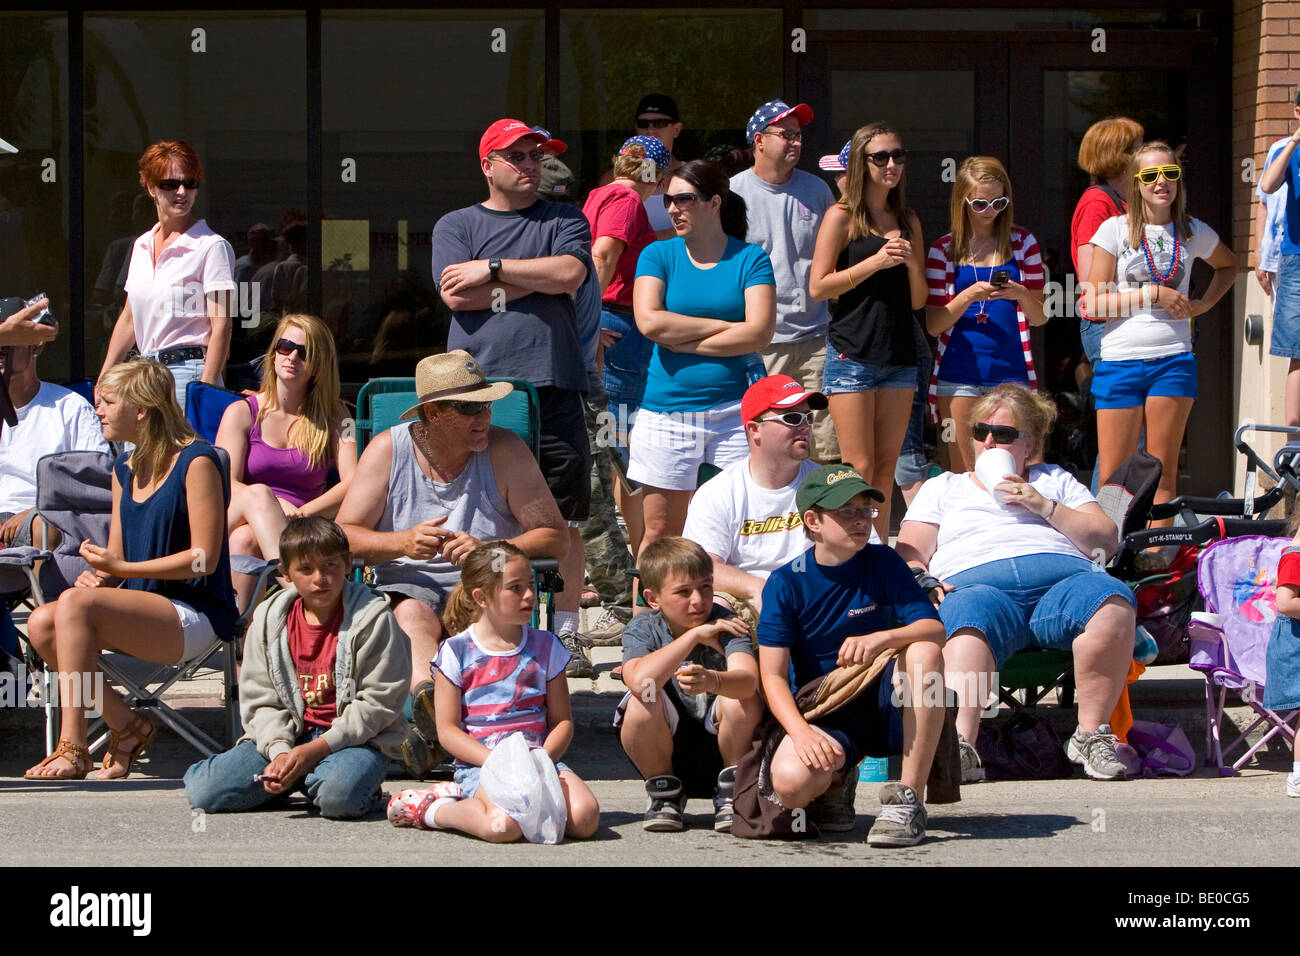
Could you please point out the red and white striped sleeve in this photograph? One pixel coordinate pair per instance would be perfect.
(1029, 258)
(939, 272)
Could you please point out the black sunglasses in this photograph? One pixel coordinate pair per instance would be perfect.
(285, 347)
(683, 200)
(1002, 434)
(653, 123)
(883, 157)
(171, 185)
(468, 409)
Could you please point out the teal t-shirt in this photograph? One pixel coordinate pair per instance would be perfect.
(691, 383)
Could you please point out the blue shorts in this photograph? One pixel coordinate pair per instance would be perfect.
(1040, 600)
(467, 777)
(843, 375)
(1129, 383)
(1286, 310)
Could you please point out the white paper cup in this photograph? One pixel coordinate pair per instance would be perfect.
(990, 467)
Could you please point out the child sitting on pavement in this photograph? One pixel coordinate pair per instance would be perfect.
(325, 676)
(693, 705)
(843, 602)
(495, 677)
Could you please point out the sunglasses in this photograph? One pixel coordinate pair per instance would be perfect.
(1002, 434)
(997, 205)
(515, 157)
(789, 135)
(285, 347)
(854, 514)
(882, 158)
(793, 419)
(653, 123)
(468, 409)
(1149, 175)
(682, 200)
(171, 185)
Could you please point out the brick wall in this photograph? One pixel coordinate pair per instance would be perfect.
(1265, 70)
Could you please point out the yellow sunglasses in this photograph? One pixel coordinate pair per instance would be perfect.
(1149, 175)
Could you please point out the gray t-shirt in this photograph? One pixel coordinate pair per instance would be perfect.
(784, 220)
(648, 632)
(536, 336)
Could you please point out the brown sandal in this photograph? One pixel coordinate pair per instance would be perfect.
(143, 730)
(77, 755)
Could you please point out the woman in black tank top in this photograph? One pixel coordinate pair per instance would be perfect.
(870, 256)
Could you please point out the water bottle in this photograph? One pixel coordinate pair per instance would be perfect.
(1145, 648)
(873, 770)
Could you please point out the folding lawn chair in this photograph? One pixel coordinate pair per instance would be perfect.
(204, 406)
(380, 404)
(1237, 578)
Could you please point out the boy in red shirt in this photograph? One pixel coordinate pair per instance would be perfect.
(325, 677)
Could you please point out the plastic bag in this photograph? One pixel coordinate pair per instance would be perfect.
(524, 783)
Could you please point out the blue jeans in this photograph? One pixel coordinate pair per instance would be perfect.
(191, 370)
(344, 784)
(1285, 340)
(1039, 600)
(1090, 338)
(627, 363)
(912, 464)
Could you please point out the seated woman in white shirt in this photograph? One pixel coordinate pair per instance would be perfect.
(178, 284)
(1022, 569)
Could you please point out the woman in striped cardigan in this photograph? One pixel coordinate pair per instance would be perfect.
(986, 291)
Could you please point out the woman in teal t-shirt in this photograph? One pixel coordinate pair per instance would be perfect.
(707, 299)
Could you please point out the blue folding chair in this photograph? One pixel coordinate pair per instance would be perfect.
(204, 406)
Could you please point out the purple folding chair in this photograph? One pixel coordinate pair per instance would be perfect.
(1237, 578)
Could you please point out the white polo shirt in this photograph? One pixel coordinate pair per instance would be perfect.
(169, 299)
(56, 419)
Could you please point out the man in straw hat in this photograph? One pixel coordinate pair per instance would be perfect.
(426, 493)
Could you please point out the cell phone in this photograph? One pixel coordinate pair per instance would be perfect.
(1000, 277)
(45, 318)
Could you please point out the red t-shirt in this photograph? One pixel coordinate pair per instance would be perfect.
(1094, 208)
(1288, 569)
(314, 649)
(616, 211)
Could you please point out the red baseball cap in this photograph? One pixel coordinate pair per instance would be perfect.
(506, 132)
(777, 391)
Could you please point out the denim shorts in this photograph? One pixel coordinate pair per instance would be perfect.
(843, 375)
(1286, 310)
(627, 361)
(1090, 338)
(961, 390)
(1039, 600)
(467, 777)
(1129, 383)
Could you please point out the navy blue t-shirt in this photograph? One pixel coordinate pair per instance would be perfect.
(812, 608)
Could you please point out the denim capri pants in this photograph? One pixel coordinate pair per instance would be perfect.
(1038, 600)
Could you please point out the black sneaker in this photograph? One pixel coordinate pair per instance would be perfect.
(664, 814)
(724, 798)
(579, 663)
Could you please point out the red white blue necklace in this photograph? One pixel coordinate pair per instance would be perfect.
(1173, 262)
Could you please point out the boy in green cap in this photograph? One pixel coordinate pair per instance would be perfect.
(844, 602)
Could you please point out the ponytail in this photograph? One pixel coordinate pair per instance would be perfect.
(482, 571)
(735, 219)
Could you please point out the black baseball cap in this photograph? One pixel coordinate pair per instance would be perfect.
(658, 103)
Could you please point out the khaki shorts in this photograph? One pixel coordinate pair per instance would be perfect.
(804, 361)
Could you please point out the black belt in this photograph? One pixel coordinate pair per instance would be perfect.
(172, 356)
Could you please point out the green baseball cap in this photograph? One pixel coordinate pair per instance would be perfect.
(832, 486)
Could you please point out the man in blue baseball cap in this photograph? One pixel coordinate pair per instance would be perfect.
(785, 207)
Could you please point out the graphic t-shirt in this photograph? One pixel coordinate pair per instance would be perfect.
(502, 692)
(751, 528)
(679, 382)
(1151, 332)
(812, 608)
(314, 648)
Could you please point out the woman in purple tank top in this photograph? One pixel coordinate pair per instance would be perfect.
(283, 441)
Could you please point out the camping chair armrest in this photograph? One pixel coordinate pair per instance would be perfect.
(1227, 507)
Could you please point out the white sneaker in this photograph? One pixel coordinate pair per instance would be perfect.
(1293, 784)
(972, 768)
(1095, 752)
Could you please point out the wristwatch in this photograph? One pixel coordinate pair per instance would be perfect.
(494, 269)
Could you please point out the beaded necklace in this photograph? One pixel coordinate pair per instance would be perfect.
(1151, 262)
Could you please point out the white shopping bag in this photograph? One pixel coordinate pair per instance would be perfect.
(524, 783)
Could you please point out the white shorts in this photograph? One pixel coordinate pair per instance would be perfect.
(195, 629)
(669, 447)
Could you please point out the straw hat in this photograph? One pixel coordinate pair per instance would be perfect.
(453, 377)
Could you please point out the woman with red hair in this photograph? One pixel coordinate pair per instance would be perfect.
(177, 287)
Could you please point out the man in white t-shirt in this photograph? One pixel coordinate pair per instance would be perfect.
(50, 419)
(745, 517)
